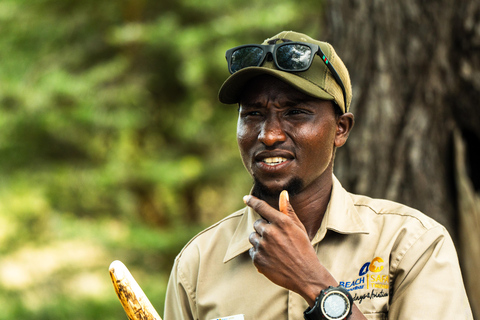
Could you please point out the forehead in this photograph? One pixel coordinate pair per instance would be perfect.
(269, 88)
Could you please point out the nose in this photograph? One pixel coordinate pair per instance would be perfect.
(271, 132)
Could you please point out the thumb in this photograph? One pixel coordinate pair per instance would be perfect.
(284, 204)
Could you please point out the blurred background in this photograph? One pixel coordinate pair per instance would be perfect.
(113, 144)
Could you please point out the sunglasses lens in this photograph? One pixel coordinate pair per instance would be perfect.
(246, 57)
(294, 57)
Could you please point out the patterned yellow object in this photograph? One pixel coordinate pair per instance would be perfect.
(133, 299)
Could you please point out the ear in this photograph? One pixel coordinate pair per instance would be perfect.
(345, 124)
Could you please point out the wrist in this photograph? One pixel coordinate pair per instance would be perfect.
(311, 287)
(310, 294)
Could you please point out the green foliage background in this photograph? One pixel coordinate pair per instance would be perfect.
(112, 142)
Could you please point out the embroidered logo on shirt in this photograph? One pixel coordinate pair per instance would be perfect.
(370, 277)
(370, 295)
(235, 317)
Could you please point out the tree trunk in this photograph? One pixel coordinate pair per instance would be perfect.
(415, 69)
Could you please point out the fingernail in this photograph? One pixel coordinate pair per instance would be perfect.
(246, 198)
(285, 192)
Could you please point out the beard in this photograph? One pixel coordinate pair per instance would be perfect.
(261, 191)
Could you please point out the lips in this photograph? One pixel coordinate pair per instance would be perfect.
(273, 160)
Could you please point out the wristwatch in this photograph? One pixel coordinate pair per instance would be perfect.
(332, 303)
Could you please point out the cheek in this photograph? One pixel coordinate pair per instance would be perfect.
(242, 138)
(242, 129)
(247, 134)
(320, 142)
(244, 142)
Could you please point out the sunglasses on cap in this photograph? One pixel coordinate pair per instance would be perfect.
(288, 56)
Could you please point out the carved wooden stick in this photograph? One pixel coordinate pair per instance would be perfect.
(133, 299)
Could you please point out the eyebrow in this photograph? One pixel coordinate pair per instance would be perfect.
(296, 102)
(249, 105)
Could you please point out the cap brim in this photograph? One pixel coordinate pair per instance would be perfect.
(232, 88)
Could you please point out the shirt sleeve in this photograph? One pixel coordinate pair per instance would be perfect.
(179, 300)
(428, 283)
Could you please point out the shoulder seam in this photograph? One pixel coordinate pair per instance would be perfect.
(186, 285)
(236, 214)
(394, 213)
(406, 250)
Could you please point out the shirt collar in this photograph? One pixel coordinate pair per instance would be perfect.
(239, 242)
(341, 216)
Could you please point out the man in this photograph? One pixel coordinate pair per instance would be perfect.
(318, 252)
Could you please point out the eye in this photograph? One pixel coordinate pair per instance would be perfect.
(250, 113)
(296, 112)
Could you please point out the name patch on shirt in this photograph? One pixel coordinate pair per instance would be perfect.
(235, 317)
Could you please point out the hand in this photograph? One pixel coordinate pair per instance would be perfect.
(282, 250)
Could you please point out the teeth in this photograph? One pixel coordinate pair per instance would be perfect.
(274, 161)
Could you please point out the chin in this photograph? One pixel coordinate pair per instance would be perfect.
(262, 191)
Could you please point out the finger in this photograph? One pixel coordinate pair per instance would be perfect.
(255, 259)
(283, 202)
(262, 208)
(289, 209)
(252, 253)
(260, 225)
(254, 239)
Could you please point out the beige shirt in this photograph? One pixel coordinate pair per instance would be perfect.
(396, 262)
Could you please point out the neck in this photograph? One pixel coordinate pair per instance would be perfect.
(310, 208)
(311, 203)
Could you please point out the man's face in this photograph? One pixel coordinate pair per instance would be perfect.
(286, 138)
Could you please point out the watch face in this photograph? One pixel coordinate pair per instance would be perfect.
(335, 306)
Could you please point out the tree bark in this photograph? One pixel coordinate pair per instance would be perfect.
(415, 69)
